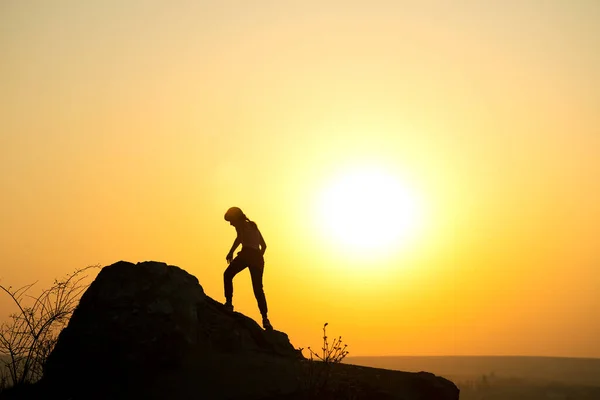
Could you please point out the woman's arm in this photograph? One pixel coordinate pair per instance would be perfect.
(234, 246)
(263, 245)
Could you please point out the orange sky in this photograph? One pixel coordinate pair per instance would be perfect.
(128, 128)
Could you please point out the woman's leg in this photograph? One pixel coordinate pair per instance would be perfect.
(235, 266)
(256, 273)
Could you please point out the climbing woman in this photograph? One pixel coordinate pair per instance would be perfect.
(251, 256)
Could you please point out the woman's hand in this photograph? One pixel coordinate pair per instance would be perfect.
(229, 257)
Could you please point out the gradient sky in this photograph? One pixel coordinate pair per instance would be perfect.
(127, 128)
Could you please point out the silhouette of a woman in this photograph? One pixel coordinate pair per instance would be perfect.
(251, 256)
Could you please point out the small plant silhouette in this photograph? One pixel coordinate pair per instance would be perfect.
(29, 336)
(318, 373)
(331, 353)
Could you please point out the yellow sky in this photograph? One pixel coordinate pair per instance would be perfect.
(128, 128)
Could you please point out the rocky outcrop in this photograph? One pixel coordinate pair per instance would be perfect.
(149, 331)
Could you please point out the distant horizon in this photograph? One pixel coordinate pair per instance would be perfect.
(495, 356)
(445, 356)
(567, 370)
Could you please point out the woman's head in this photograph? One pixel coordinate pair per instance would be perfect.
(235, 215)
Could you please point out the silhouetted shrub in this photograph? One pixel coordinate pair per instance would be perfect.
(318, 367)
(331, 353)
(30, 334)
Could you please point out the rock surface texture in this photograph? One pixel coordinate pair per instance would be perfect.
(148, 331)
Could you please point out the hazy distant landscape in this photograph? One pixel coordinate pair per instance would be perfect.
(503, 377)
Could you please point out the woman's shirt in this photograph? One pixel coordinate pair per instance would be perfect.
(249, 235)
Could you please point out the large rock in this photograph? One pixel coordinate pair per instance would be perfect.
(149, 331)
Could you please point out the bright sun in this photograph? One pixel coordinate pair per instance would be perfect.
(369, 210)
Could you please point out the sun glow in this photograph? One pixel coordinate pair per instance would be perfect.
(369, 210)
